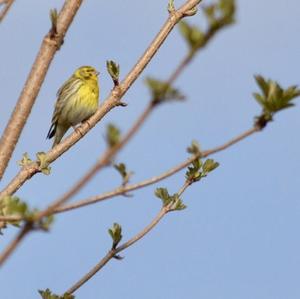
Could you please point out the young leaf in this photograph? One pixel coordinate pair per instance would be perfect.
(121, 168)
(163, 194)
(162, 91)
(172, 202)
(42, 159)
(114, 70)
(192, 35)
(113, 135)
(53, 18)
(47, 294)
(177, 204)
(209, 165)
(194, 148)
(13, 206)
(273, 98)
(199, 170)
(171, 7)
(194, 173)
(25, 160)
(116, 234)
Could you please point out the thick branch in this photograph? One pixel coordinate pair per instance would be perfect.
(112, 100)
(50, 45)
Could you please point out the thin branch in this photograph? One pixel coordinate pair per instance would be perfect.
(4, 11)
(112, 101)
(114, 251)
(34, 81)
(102, 162)
(13, 245)
(111, 152)
(128, 188)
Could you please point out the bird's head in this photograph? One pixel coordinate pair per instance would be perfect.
(86, 73)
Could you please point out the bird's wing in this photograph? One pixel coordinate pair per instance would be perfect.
(68, 89)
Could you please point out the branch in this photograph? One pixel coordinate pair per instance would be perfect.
(112, 253)
(112, 101)
(128, 188)
(49, 46)
(102, 162)
(13, 245)
(111, 152)
(4, 11)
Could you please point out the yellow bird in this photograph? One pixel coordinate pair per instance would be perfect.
(77, 100)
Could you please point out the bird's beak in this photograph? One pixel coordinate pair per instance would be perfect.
(97, 73)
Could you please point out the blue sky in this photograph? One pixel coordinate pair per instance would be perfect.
(239, 237)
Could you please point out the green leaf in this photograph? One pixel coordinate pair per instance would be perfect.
(42, 160)
(163, 194)
(209, 165)
(220, 14)
(194, 148)
(116, 234)
(162, 91)
(171, 7)
(172, 202)
(114, 70)
(273, 98)
(53, 18)
(13, 206)
(194, 173)
(199, 170)
(192, 35)
(126, 175)
(47, 294)
(25, 160)
(264, 86)
(113, 135)
(177, 204)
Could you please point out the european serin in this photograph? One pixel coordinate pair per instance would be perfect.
(77, 100)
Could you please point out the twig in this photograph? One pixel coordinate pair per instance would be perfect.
(155, 179)
(111, 152)
(128, 188)
(34, 81)
(4, 11)
(113, 252)
(102, 162)
(112, 100)
(13, 245)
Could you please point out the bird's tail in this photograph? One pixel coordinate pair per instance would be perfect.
(58, 131)
(52, 131)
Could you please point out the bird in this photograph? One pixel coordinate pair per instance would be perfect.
(77, 100)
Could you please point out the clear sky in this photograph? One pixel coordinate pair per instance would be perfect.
(239, 236)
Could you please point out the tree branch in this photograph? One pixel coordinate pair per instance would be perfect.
(112, 101)
(114, 251)
(49, 46)
(128, 188)
(13, 245)
(4, 11)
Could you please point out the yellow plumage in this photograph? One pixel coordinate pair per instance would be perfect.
(77, 100)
